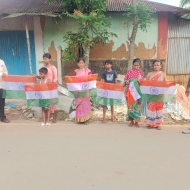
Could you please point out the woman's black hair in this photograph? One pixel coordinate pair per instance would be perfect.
(80, 59)
(43, 70)
(157, 60)
(47, 55)
(137, 60)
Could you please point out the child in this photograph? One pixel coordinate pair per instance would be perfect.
(52, 76)
(109, 76)
(45, 110)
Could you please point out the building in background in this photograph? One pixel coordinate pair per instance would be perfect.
(167, 38)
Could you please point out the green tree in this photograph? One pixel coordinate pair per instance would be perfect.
(185, 4)
(92, 27)
(140, 16)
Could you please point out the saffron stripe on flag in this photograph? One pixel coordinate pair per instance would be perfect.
(81, 79)
(110, 86)
(18, 78)
(40, 87)
(164, 84)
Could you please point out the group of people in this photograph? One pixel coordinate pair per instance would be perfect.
(154, 110)
(48, 73)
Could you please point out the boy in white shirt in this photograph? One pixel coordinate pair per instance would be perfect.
(3, 71)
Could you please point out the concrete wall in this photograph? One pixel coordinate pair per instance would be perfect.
(117, 49)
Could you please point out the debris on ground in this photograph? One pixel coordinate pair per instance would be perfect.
(174, 113)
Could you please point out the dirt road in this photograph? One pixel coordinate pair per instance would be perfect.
(67, 156)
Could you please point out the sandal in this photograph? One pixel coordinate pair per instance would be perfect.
(42, 124)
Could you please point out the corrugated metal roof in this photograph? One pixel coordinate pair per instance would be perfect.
(28, 6)
(39, 6)
(157, 7)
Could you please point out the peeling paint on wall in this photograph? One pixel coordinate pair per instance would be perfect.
(146, 42)
(100, 51)
(53, 51)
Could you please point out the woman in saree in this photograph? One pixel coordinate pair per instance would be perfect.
(154, 111)
(133, 114)
(83, 106)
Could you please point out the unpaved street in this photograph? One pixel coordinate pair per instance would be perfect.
(67, 156)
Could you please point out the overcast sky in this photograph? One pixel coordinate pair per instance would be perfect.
(169, 2)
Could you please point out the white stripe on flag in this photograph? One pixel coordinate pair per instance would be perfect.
(110, 94)
(81, 86)
(49, 94)
(134, 92)
(157, 90)
(14, 85)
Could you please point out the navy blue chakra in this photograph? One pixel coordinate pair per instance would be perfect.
(85, 85)
(154, 90)
(38, 95)
(104, 93)
(21, 86)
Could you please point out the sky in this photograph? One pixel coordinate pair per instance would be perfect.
(169, 2)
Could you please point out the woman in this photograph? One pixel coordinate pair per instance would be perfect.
(133, 114)
(83, 107)
(52, 76)
(155, 109)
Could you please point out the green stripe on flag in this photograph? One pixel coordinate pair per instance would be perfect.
(14, 94)
(158, 98)
(45, 103)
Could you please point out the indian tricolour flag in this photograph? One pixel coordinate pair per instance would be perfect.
(108, 94)
(133, 92)
(13, 86)
(41, 95)
(158, 91)
(79, 83)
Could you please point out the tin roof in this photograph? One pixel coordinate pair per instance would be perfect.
(39, 6)
(28, 6)
(157, 7)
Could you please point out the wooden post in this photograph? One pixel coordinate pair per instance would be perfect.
(59, 67)
(29, 50)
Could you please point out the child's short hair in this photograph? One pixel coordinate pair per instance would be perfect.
(108, 62)
(44, 70)
(47, 55)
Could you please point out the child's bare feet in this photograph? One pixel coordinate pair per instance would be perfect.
(103, 121)
(137, 125)
(131, 124)
(113, 120)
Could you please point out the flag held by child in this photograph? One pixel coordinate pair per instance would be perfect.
(13, 86)
(41, 95)
(108, 94)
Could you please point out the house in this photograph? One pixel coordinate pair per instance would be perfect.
(167, 38)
